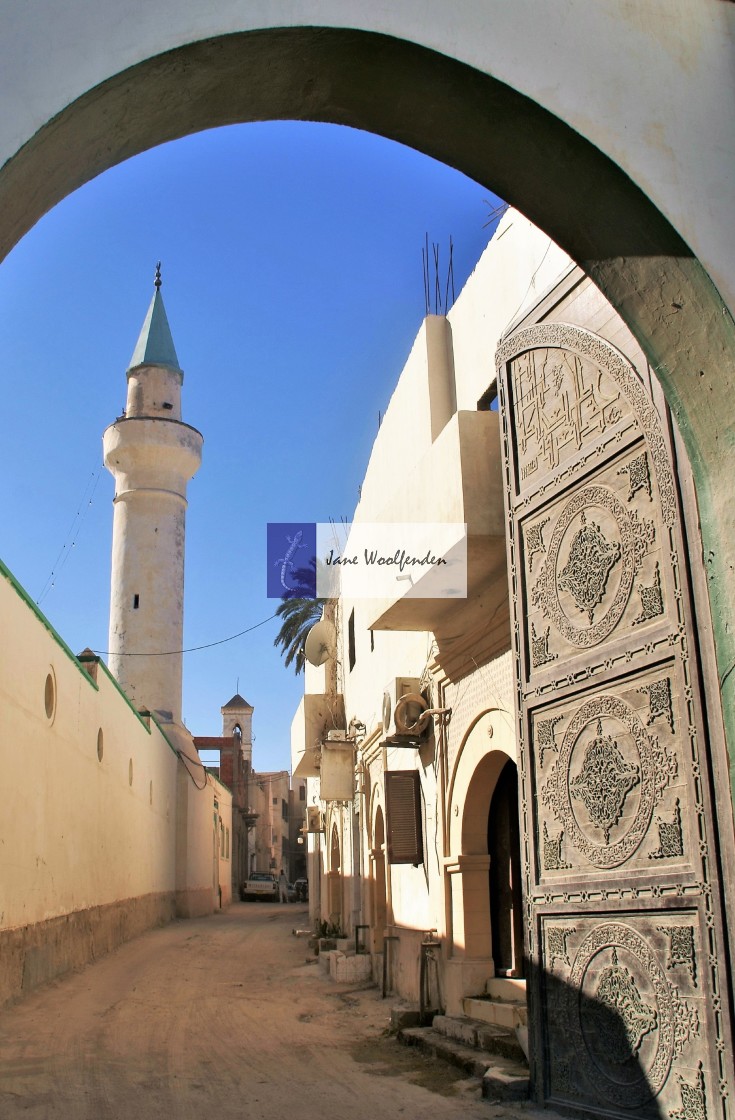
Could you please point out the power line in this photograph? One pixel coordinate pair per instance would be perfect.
(192, 649)
(73, 532)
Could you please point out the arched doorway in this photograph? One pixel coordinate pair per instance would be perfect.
(506, 900)
(473, 919)
(334, 880)
(379, 911)
(497, 132)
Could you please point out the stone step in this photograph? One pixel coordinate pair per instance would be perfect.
(489, 1037)
(500, 1012)
(502, 1078)
(508, 988)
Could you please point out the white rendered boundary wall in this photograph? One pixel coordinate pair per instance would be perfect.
(88, 844)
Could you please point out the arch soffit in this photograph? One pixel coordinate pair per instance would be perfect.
(480, 758)
(487, 129)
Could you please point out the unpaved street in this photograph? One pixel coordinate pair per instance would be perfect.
(222, 1017)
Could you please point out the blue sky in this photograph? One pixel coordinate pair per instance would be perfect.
(292, 280)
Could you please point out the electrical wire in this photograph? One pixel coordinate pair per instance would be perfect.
(197, 762)
(531, 283)
(192, 649)
(73, 532)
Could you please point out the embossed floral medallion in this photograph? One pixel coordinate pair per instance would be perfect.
(591, 559)
(596, 568)
(605, 756)
(620, 1015)
(625, 1016)
(604, 781)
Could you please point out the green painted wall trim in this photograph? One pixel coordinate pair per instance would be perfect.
(125, 697)
(79, 663)
(41, 617)
(172, 748)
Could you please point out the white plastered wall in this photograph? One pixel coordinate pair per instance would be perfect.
(103, 833)
(519, 264)
(77, 832)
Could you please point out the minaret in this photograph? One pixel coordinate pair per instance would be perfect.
(152, 455)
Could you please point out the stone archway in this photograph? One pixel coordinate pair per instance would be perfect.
(170, 80)
(475, 859)
(460, 114)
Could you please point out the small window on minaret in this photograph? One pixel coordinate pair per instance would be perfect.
(136, 602)
(167, 405)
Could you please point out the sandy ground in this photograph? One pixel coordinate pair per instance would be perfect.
(223, 1017)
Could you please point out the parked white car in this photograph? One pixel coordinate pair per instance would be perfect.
(261, 884)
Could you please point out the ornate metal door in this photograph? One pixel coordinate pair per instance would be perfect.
(627, 955)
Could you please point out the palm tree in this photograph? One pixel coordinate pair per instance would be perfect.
(298, 616)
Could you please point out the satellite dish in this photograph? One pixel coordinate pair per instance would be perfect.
(319, 643)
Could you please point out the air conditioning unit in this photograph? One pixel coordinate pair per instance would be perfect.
(338, 767)
(403, 708)
(314, 819)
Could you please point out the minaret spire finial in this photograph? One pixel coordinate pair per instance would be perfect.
(157, 282)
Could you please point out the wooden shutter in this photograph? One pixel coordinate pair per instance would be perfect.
(403, 817)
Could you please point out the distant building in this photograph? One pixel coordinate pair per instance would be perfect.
(267, 814)
(235, 748)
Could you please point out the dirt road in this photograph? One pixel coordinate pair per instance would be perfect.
(221, 1017)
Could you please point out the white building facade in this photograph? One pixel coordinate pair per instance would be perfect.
(541, 840)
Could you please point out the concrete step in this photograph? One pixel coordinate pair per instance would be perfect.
(489, 1037)
(502, 1078)
(405, 1014)
(501, 1012)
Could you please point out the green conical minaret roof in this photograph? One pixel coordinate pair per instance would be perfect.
(155, 345)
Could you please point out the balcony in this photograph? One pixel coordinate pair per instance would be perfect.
(458, 479)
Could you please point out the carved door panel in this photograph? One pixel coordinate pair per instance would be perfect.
(624, 928)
